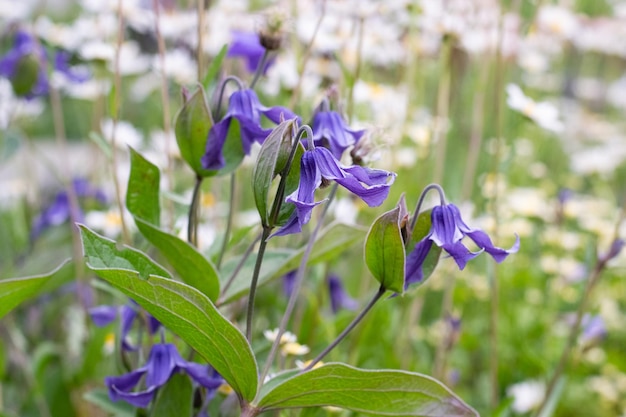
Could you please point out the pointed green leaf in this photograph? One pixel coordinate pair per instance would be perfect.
(214, 68)
(14, 291)
(379, 392)
(384, 251)
(192, 267)
(192, 126)
(265, 168)
(233, 148)
(175, 399)
(293, 180)
(179, 307)
(142, 196)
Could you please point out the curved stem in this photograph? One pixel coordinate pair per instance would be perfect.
(420, 201)
(229, 220)
(255, 280)
(296, 286)
(192, 219)
(240, 265)
(347, 330)
(220, 97)
(260, 68)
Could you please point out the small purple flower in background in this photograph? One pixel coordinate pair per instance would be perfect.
(25, 66)
(289, 280)
(594, 330)
(247, 45)
(330, 131)
(370, 185)
(73, 74)
(59, 211)
(243, 105)
(338, 297)
(163, 362)
(446, 231)
(105, 315)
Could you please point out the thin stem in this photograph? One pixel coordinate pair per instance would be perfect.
(240, 265)
(260, 68)
(117, 81)
(220, 96)
(200, 46)
(420, 201)
(165, 98)
(296, 286)
(440, 139)
(357, 70)
(255, 280)
(347, 330)
(229, 220)
(307, 55)
(192, 222)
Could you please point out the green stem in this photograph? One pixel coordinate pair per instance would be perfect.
(260, 68)
(440, 138)
(229, 221)
(192, 222)
(296, 286)
(347, 330)
(255, 280)
(240, 265)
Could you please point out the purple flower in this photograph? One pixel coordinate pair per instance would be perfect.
(247, 45)
(371, 185)
(243, 105)
(446, 231)
(289, 281)
(73, 74)
(338, 297)
(163, 362)
(330, 131)
(594, 329)
(59, 211)
(25, 66)
(105, 315)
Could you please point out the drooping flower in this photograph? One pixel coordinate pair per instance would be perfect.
(330, 131)
(163, 362)
(446, 231)
(243, 105)
(105, 314)
(59, 211)
(338, 297)
(25, 66)
(247, 45)
(370, 185)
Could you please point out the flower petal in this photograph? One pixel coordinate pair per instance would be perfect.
(444, 228)
(204, 375)
(460, 253)
(483, 241)
(161, 364)
(103, 315)
(213, 158)
(415, 260)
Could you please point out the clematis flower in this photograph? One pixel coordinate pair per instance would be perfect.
(338, 297)
(163, 362)
(243, 105)
(447, 230)
(330, 131)
(247, 45)
(106, 314)
(25, 66)
(370, 185)
(59, 211)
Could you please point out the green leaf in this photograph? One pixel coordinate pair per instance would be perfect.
(293, 180)
(182, 309)
(265, 168)
(192, 126)
(14, 291)
(142, 196)
(380, 392)
(330, 244)
(102, 253)
(214, 68)
(192, 267)
(233, 148)
(176, 398)
(25, 74)
(100, 397)
(384, 251)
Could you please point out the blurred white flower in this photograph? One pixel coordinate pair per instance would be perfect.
(543, 113)
(125, 134)
(558, 21)
(526, 395)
